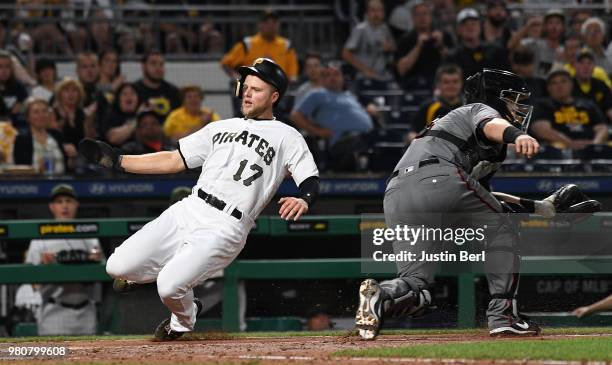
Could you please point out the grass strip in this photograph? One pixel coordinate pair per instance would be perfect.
(567, 349)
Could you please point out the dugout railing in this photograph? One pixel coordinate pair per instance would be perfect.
(336, 268)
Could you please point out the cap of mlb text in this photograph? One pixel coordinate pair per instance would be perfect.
(466, 14)
(62, 190)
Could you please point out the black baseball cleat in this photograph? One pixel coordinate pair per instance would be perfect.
(518, 327)
(164, 332)
(369, 313)
(125, 286)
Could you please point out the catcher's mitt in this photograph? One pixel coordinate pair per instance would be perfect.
(573, 204)
(100, 153)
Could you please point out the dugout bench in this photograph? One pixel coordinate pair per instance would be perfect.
(267, 269)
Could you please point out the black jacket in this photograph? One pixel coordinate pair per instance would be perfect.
(24, 146)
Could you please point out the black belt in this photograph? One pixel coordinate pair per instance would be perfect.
(71, 306)
(218, 203)
(429, 161)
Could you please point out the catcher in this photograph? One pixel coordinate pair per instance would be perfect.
(445, 170)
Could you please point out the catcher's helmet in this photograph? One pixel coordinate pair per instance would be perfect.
(268, 71)
(501, 90)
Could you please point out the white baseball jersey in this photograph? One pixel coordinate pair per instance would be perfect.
(244, 161)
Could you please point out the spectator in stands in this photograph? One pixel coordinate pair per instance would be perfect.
(46, 75)
(588, 87)
(12, 92)
(266, 43)
(71, 118)
(370, 45)
(593, 32)
(191, 116)
(319, 320)
(68, 309)
(100, 35)
(157, 93)
(546, 49)
(495, 28)
(522, 62)
(602, 305)
(95, 104)
(400, 20)
(312, 71)
(47, 34)
(472, 55)
(335, 115)
(149, 135)
(571, 48)
(565, 121)
(449, 84)
(420, 52)
(210, 39)
(579, 16)
(110, 72)
(39, 143)
(119, 124)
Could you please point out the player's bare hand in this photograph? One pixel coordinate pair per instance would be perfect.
(292, 207)
(526, 145)
(581, 311)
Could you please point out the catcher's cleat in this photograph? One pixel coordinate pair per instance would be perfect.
(124, 286)
(164, 332)
(517, 327)
(369, 313)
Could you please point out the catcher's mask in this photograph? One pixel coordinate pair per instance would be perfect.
(268, 71)
(503, 91)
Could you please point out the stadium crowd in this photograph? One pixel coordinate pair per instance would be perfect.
(398, 70)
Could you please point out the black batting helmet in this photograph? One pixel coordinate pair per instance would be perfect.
(268, 71)
(502, 91)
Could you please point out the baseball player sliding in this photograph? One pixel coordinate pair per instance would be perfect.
(243, 161)
(440, 173)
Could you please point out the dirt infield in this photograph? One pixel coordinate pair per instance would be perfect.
(222, 349)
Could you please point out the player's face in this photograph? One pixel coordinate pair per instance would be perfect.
(64, 207)
(154, 68)
(450, 86)
(258, 97)
(560, 87)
